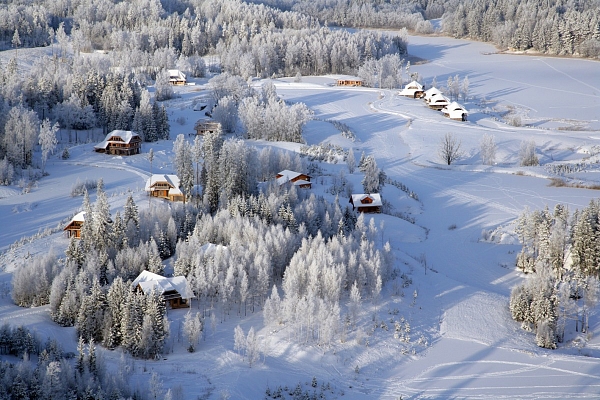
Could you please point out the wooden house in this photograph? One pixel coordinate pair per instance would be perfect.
(165, 187)
(204, 126)
(73, 228)
(121, 143)
(366, 203)
(455, 111)
(438, 102)
(430, 93)
(176, 290)
(413, 89)
(349, 82)
(295, 178)
(176, 77)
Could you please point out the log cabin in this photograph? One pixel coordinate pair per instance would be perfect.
(165, 186)
(366, 203)
(120, 143)
(176, 290)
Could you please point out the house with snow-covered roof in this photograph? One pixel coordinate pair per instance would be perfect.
(366, 202)
(455, 111)
(165, 186)
(431, 93)
(121, 143)
(294, 178)
(73, 228)
(413, 89)
(176, 77)
(204, 126)
(175, 290)
(438, 102)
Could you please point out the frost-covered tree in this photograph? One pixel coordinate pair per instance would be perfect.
(351, 161)
(372, 179)
(488, 149)
(21, 132)
(47, 140)
(163, 89)
(184, 164)
(192, 329)
(527, 156)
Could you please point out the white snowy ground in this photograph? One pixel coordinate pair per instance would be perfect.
(463, 341)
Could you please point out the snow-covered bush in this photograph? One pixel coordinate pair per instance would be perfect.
(527, 156)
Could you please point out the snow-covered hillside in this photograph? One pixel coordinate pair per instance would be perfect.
(456, 259)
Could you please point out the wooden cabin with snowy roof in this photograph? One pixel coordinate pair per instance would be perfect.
(294, 178)
(120, 143)
(176, 290)
(73, 228)
(176, 77)
(204, 126)
(366, 203)
(455, 111)
(414, 90)
(165, 186)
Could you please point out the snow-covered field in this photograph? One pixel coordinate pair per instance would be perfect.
(463, 341)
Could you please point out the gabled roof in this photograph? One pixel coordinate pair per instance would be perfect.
(454, 106)
(414, 85)
(358, 198)
(429, 93)
(148, 281)
(125, 136)
(79, 217)
(176, 74)
(439, 99)
(171, 180)
(287, 175)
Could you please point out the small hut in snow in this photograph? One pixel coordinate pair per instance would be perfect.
(455, 111)
(73, 228)
(413, 89)
(165, 186)
(295, 178)
(176, 77)
(175, 290)
(366, 203)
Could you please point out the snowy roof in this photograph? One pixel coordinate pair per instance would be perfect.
(429, 93)
(414, 85)
(79, 217)
(358, 198)
(171, 180)
(176, 74)
(125, 136)
(454, 106)
(286, 175)
(148, 281)
(439, 100)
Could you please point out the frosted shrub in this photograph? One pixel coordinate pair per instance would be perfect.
(79, 188)
(7, 172)
(527, 155)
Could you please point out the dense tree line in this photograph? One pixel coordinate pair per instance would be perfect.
(552, 27)
(54, 375)
(561, 251)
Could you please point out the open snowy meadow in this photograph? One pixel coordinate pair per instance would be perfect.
(454, 247)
